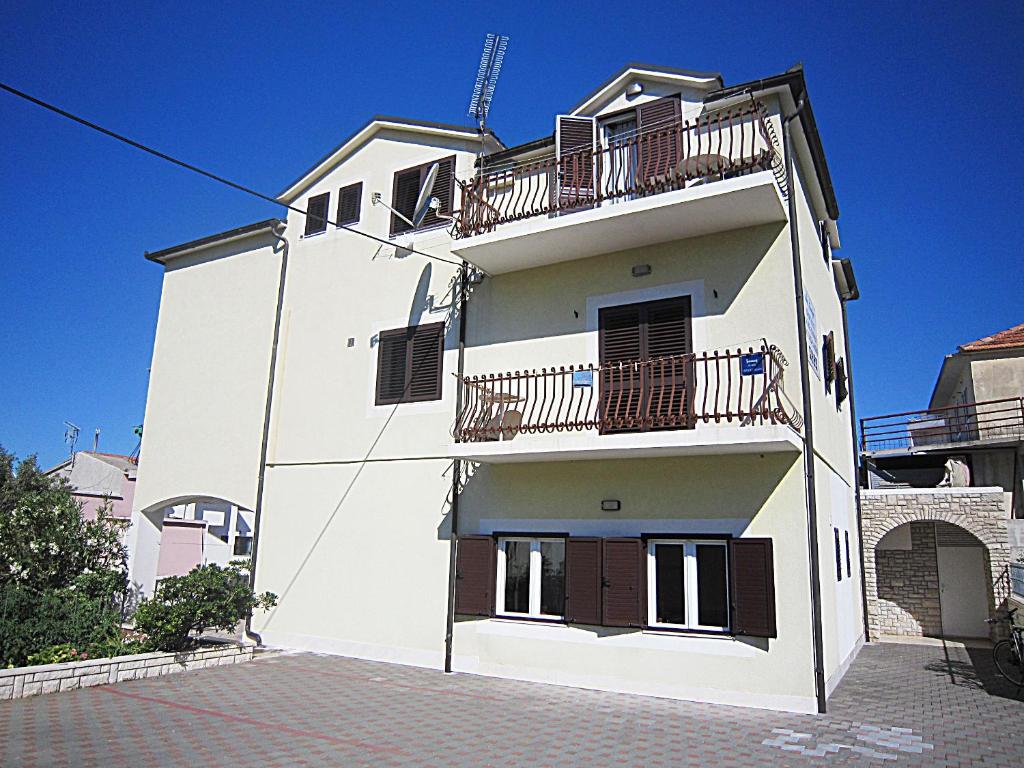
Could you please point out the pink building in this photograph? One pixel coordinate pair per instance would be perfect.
(101, 478)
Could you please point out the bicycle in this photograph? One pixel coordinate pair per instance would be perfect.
(1008, 655)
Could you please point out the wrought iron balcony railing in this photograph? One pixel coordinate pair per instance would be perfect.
(674, 156)
(988, 421)
(677, 392)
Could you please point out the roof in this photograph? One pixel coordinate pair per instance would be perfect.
(794, 79)
(119, 460)
(210, 240)
(636, 68)
(1011, 337)
(374, 124)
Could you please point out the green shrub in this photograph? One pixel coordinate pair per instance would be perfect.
(32, 621)
(208, 597)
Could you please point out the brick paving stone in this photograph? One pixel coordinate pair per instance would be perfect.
(900, 705)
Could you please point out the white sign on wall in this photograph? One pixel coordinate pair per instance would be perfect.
(811, 321)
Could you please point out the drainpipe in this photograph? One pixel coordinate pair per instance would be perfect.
(856, 462)
(805, 381)
(278, 233)
(453, 541)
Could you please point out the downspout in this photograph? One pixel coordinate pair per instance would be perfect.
(856, 463)
(805, 381)
(449, 629)
(278, 233)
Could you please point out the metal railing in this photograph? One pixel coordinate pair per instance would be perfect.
(676, 392)
(988, 421)
(677, 155)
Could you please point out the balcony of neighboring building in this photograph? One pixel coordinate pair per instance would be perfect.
(621, 189)
(705, 403)
(988, 424)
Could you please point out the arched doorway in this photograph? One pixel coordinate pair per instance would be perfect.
(935, 561)
(932, 580)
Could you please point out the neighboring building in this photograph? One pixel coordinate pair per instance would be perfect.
(605, 407)
(101, 480)
(943, 506)
(169, 541)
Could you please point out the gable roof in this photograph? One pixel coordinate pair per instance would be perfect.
(371, 127)
(651, 71)
(1008, 339)
(191, 246)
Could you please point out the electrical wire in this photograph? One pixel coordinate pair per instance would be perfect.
(212, 176)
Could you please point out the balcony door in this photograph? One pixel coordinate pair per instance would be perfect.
(646, 366)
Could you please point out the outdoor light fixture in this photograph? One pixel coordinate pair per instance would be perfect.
(641, 270)
(610, 505)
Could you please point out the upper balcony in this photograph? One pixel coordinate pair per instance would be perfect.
(718, 172)
(730, 401)
(987, 424)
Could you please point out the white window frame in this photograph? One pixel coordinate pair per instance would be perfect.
(691, 599)
(535, 578)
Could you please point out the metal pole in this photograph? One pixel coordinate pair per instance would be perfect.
(805, 381)
(453, 536)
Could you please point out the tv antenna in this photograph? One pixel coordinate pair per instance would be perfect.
(424, 201)
(71, 437)
(487, 78)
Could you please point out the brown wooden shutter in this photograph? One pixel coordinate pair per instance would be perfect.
(316, 214)
(392, 356)
(403, 198)
(426, 355)
(475, 572)
(623, 583)
(349, 199)
(668, 383)
(583, 580)
(842, 391)
(752, 586)
(660, 139)
(620, 342)
(575, 140)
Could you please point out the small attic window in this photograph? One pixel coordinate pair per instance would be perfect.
(316, 214)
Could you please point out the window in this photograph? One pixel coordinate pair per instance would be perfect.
(826, 251)
(531, 577)
(409, 362)
(349, 199)
(243, 546)
(689, 584)
(839, 557)
(407, 188)
(316, 214)
(849, 569)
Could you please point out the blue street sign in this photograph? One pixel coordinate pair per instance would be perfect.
(750, 365)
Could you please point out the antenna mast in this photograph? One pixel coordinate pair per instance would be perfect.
(487, 78)
(71, 436)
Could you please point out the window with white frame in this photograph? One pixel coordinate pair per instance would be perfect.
(688, 584)
(531, 577)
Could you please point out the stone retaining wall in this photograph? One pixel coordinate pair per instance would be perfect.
(49, 678)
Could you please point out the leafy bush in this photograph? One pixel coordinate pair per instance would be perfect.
(65, 652)
(208, 597)
(31, 621)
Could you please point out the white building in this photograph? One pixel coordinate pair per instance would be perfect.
(652, 487)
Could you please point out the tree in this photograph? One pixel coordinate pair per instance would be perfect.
(44, 542)
(207, 597)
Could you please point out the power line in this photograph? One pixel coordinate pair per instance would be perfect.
(195, 169)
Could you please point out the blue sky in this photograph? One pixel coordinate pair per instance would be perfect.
(920, 114)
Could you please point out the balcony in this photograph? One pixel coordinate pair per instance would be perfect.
(730, 401)
(716, 173)
(986, 424)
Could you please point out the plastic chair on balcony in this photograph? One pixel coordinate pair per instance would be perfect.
(510, 424)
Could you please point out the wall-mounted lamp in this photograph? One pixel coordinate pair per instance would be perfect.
(641, 270)
(635, 89)
(610, 505)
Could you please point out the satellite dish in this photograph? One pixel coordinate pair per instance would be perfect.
(423, 201)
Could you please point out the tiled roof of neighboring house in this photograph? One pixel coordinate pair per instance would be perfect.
(119, 460)
(1011, 337)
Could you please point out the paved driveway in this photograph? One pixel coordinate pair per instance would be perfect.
(900, 705)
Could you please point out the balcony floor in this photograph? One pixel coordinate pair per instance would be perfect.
(702, 209)
(705, 440)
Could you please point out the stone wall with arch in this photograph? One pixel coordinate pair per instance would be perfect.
(982, 512)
